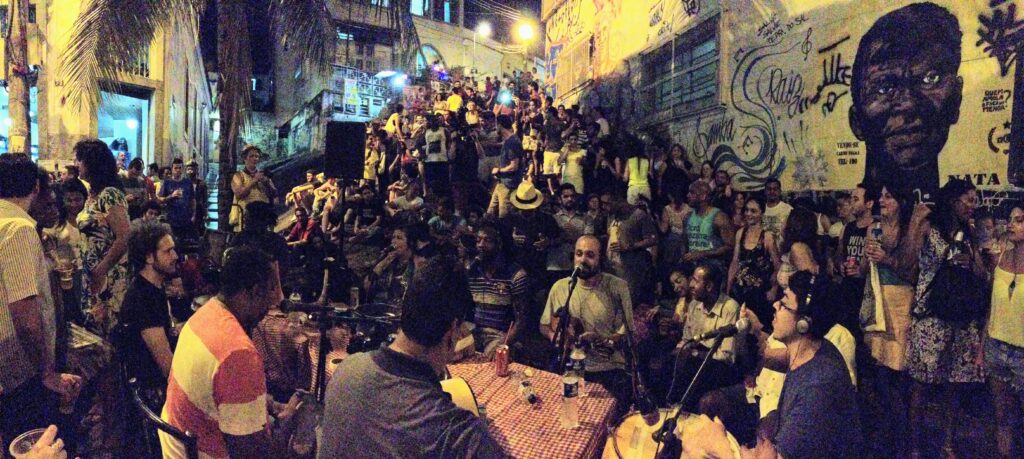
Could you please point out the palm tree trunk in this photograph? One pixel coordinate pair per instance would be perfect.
(234, 66)
(16, 46)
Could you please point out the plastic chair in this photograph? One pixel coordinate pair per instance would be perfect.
(151, 419)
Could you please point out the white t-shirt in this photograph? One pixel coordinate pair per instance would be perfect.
(774, 218)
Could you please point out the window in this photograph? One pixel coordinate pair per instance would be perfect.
(31, 14)
(384, 3)
(683, 71)
(253, 84)
(419, 7)
(448, 11)
(343, 36)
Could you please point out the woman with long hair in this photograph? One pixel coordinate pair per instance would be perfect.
(637, 172)
(104, 224)
(755, 260)
(942, 356)
(884, 312)
(1004, 345)
(801, 250)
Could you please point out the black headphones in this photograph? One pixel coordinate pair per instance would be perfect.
(803, 324)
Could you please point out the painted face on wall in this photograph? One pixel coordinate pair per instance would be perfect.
(908, 103)
(906, 94)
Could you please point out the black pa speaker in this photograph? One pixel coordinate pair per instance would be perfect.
(344, 148)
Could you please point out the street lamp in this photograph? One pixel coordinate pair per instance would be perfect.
(526, 32)
(483, 28)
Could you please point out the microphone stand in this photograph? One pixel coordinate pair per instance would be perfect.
(665, 434)
(562, 332)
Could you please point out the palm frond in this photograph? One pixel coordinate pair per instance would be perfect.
(307, 27)
(111, 36)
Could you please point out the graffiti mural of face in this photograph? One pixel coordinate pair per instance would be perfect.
(907, 94)
(908, 104)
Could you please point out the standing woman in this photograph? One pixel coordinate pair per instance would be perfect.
(104, 224)
(942, 356)
(1004, 347)
(755, 260)
(637, 173)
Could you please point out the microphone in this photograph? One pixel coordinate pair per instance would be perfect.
(575, 273)
(384, 253)
(725, 331)
(648, 409)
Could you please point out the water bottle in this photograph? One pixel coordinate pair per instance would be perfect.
(577, 358)
(569, 414)
(957, 246)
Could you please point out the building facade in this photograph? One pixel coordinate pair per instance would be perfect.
(788, 89)
(157, 111)
(366, 39)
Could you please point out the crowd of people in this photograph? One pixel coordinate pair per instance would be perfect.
(869, 313)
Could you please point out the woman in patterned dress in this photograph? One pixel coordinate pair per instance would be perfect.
(104, 225)
(942, 356)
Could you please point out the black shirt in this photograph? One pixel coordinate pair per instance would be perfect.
(144, 306)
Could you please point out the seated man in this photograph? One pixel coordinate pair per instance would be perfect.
(217, 386)
(818, 404)
(709, 310)
(304, 231)
(144, 311)
(388, 403)
(500, 291)
(601, 309)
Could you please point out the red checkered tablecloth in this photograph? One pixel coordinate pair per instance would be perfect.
(526, 430)
(290, 351)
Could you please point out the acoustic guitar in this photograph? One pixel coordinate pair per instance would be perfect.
(462, 394)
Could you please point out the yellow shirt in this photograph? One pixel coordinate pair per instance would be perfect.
(391, 127)
(454, 102)
(1007, 321)
(370, 162)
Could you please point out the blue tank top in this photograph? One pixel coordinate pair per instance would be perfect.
(701, 231)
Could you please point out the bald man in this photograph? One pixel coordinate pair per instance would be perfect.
(601, 309)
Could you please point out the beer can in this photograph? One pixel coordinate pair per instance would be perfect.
(501, 361)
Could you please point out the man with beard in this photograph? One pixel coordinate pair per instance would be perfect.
(573, 224)
(145, 311)
(599, 311)
(906, 95)
(500, 290)
(217, 386)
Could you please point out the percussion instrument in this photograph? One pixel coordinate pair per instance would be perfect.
(632, 437)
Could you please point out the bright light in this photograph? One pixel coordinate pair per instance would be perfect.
(131, 124)
(384, 74)
(505, 97)
(400, 80)
(525, 31)
(484, 29)
(7, 122)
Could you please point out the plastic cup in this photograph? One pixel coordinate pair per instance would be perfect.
(22, 445)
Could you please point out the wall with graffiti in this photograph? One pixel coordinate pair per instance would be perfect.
(822, 94)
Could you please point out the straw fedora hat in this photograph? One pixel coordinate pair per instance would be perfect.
(527, 197)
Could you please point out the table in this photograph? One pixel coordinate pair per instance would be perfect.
(290, 350)
(527, 431)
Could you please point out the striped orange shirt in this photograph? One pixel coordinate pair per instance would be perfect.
(217, 384)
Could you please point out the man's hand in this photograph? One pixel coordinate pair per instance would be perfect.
(542, 244)
(703, 437)
(615, 247)
(66, 385)
(97, 281)
(921, 212)
(692, 256)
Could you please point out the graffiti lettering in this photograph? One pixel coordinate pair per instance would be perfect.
(995, 100)
(564, 23)
(1004, 139)
(1002, 34)
(692, 7)
(982, 179)
(718, 132)
(773, 30)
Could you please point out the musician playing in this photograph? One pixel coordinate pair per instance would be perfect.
(709, 310)
(389, 403)
(599, 308)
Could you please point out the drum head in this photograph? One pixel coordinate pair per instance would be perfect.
(633, 438)
(382, 311)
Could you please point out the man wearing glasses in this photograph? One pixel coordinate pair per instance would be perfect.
(817, 406)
